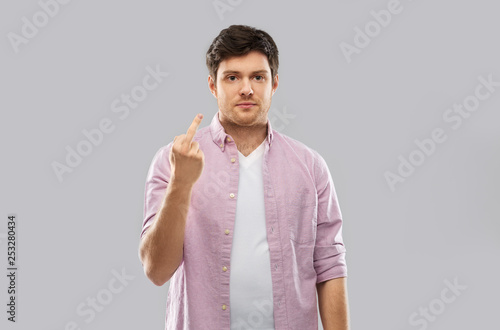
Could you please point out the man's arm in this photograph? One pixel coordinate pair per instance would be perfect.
(333, 304)
(162, 245)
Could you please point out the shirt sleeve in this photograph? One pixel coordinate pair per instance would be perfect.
(329, 250)
(156, 186)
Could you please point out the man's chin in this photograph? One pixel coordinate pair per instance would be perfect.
(244, 113)
(244, 117)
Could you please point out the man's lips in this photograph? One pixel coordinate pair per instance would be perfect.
(245, 104)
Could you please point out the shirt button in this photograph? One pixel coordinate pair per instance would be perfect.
(221, 145)
(228, 139)
(224, 268)
(226, 231)
(233, 160)
(224, 307)
(231, 195)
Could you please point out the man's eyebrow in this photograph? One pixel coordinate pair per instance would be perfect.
(255, 72)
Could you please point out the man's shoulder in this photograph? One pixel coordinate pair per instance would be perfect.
(302, 150)
(305, 155)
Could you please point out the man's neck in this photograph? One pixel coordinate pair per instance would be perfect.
(247, 138)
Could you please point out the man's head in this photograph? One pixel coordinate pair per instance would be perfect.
(243, 67)
(238, 40)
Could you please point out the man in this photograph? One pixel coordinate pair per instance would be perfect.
(243, 220)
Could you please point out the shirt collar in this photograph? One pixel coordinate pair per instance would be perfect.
(220, 137)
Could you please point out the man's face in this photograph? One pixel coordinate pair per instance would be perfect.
(244, 79)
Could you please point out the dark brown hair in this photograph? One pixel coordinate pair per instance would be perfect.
(238, 40)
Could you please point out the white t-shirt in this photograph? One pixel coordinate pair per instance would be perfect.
(250, 286)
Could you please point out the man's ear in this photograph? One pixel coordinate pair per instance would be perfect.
(211, 86)
(275, 84)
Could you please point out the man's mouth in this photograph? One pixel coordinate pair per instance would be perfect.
(245, 105)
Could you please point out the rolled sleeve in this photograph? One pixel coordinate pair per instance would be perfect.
(329, 251)
(156, 186)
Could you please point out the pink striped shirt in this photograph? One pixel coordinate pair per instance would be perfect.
(303, 221)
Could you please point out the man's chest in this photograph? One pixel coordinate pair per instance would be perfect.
(288, 190)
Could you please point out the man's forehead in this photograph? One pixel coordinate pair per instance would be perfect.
(253, 62)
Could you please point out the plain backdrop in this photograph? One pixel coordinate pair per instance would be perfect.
(362, 112)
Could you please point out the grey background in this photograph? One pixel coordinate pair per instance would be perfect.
(441, 223)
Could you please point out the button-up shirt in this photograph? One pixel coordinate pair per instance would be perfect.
(303, 222)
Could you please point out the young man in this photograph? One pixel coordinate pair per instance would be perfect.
(242, 219)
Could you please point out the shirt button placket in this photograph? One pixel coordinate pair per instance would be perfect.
(226, 262)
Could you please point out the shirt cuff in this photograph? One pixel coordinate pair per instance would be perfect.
(329, 262)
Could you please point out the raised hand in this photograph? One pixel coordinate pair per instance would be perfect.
(186, 158)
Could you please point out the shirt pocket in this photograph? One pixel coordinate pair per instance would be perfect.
(302, 223)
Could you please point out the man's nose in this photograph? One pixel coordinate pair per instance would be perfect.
(246, 88)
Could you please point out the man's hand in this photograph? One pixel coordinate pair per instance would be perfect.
(186, 158)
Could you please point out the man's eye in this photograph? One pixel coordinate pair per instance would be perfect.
(261, 77)
(231, 77)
